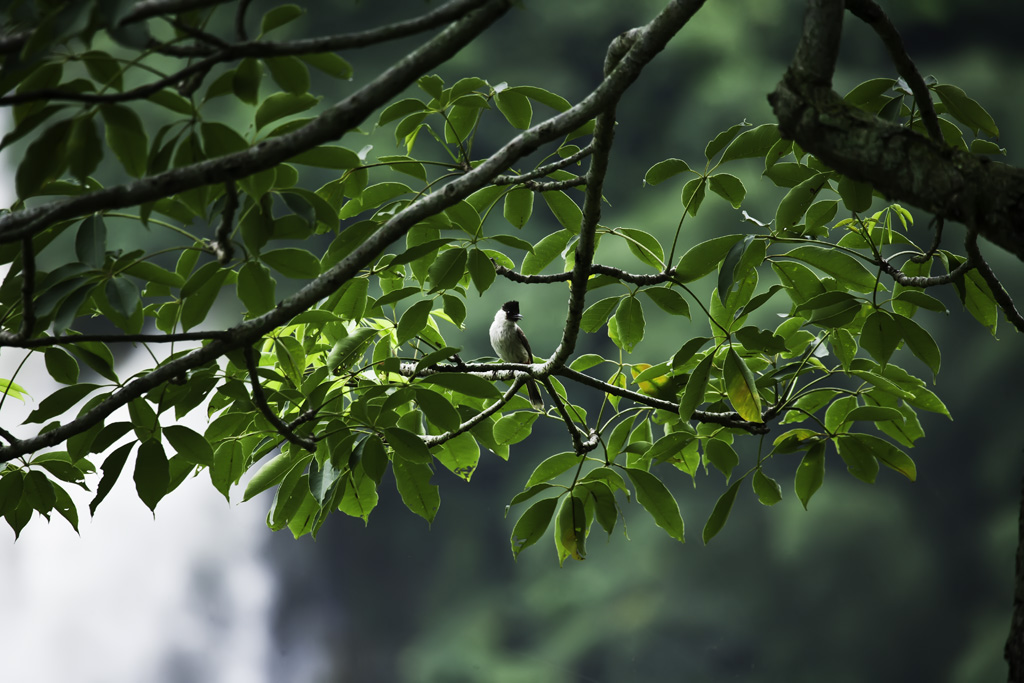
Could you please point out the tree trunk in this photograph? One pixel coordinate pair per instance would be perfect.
(1014, 652)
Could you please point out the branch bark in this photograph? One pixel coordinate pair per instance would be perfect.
(900, 163)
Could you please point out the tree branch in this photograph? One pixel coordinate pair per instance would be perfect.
(870, 13)
(899, 163)
(260, 399)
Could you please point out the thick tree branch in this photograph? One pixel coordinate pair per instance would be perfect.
(898, 162)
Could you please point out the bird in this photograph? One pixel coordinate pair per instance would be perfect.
(511, 345)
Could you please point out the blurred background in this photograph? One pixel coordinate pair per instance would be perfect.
(892, 582)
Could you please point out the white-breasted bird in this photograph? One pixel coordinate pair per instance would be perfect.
(511, 345)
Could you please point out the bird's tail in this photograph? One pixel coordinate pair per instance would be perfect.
(535, 397)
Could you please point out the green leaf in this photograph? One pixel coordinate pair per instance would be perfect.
(294, 263)
(518, 206)
(728, 187)
(668, 300)
(839, 265)
(270, 474)
(61, 365)
(448, 268)
(330, 63)
(720, 513)
(279, 16)
(571, 528)
(84, 149)
(551, 467)
(545, 251)
(516, 107)
(755, 142)
(740, 387)
(810, 473)
(920, 342)
(437, 409)
(918, 298)
(652, 494)
(255, 288)
(597, 314)
(722, 456)
(663, 170)
(60, 401)
(693, 393)
(856, 195)
(37, 490)
(693, 194)
(797, 200)
(767, 489)
(199, 301)
(189, 444)
(880, 336)
(470, 385)
(228, 465)
(532, 525)
(407, 446)
(112, 466)
(152, 475)
(461, 455)
(704, 258)
(511, 429)
(728, 271)
(722, 139)
(859, 459)
(127, 137)
(481, 270)
(150, 272)
(282, 104)
(413, 320)
(360, 497)
(865, 447)
(344, 352)
(328, 156)
(626, 328)
(43, 161)
(418, 494)
(966, 111)
(123, 296)
(564, 209)
(645, 247)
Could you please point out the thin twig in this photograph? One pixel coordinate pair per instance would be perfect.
(873, 15)
(938, 222)
(999, 293)
(260, 399)
(546, 169)
(240, 33)
(438, 439)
